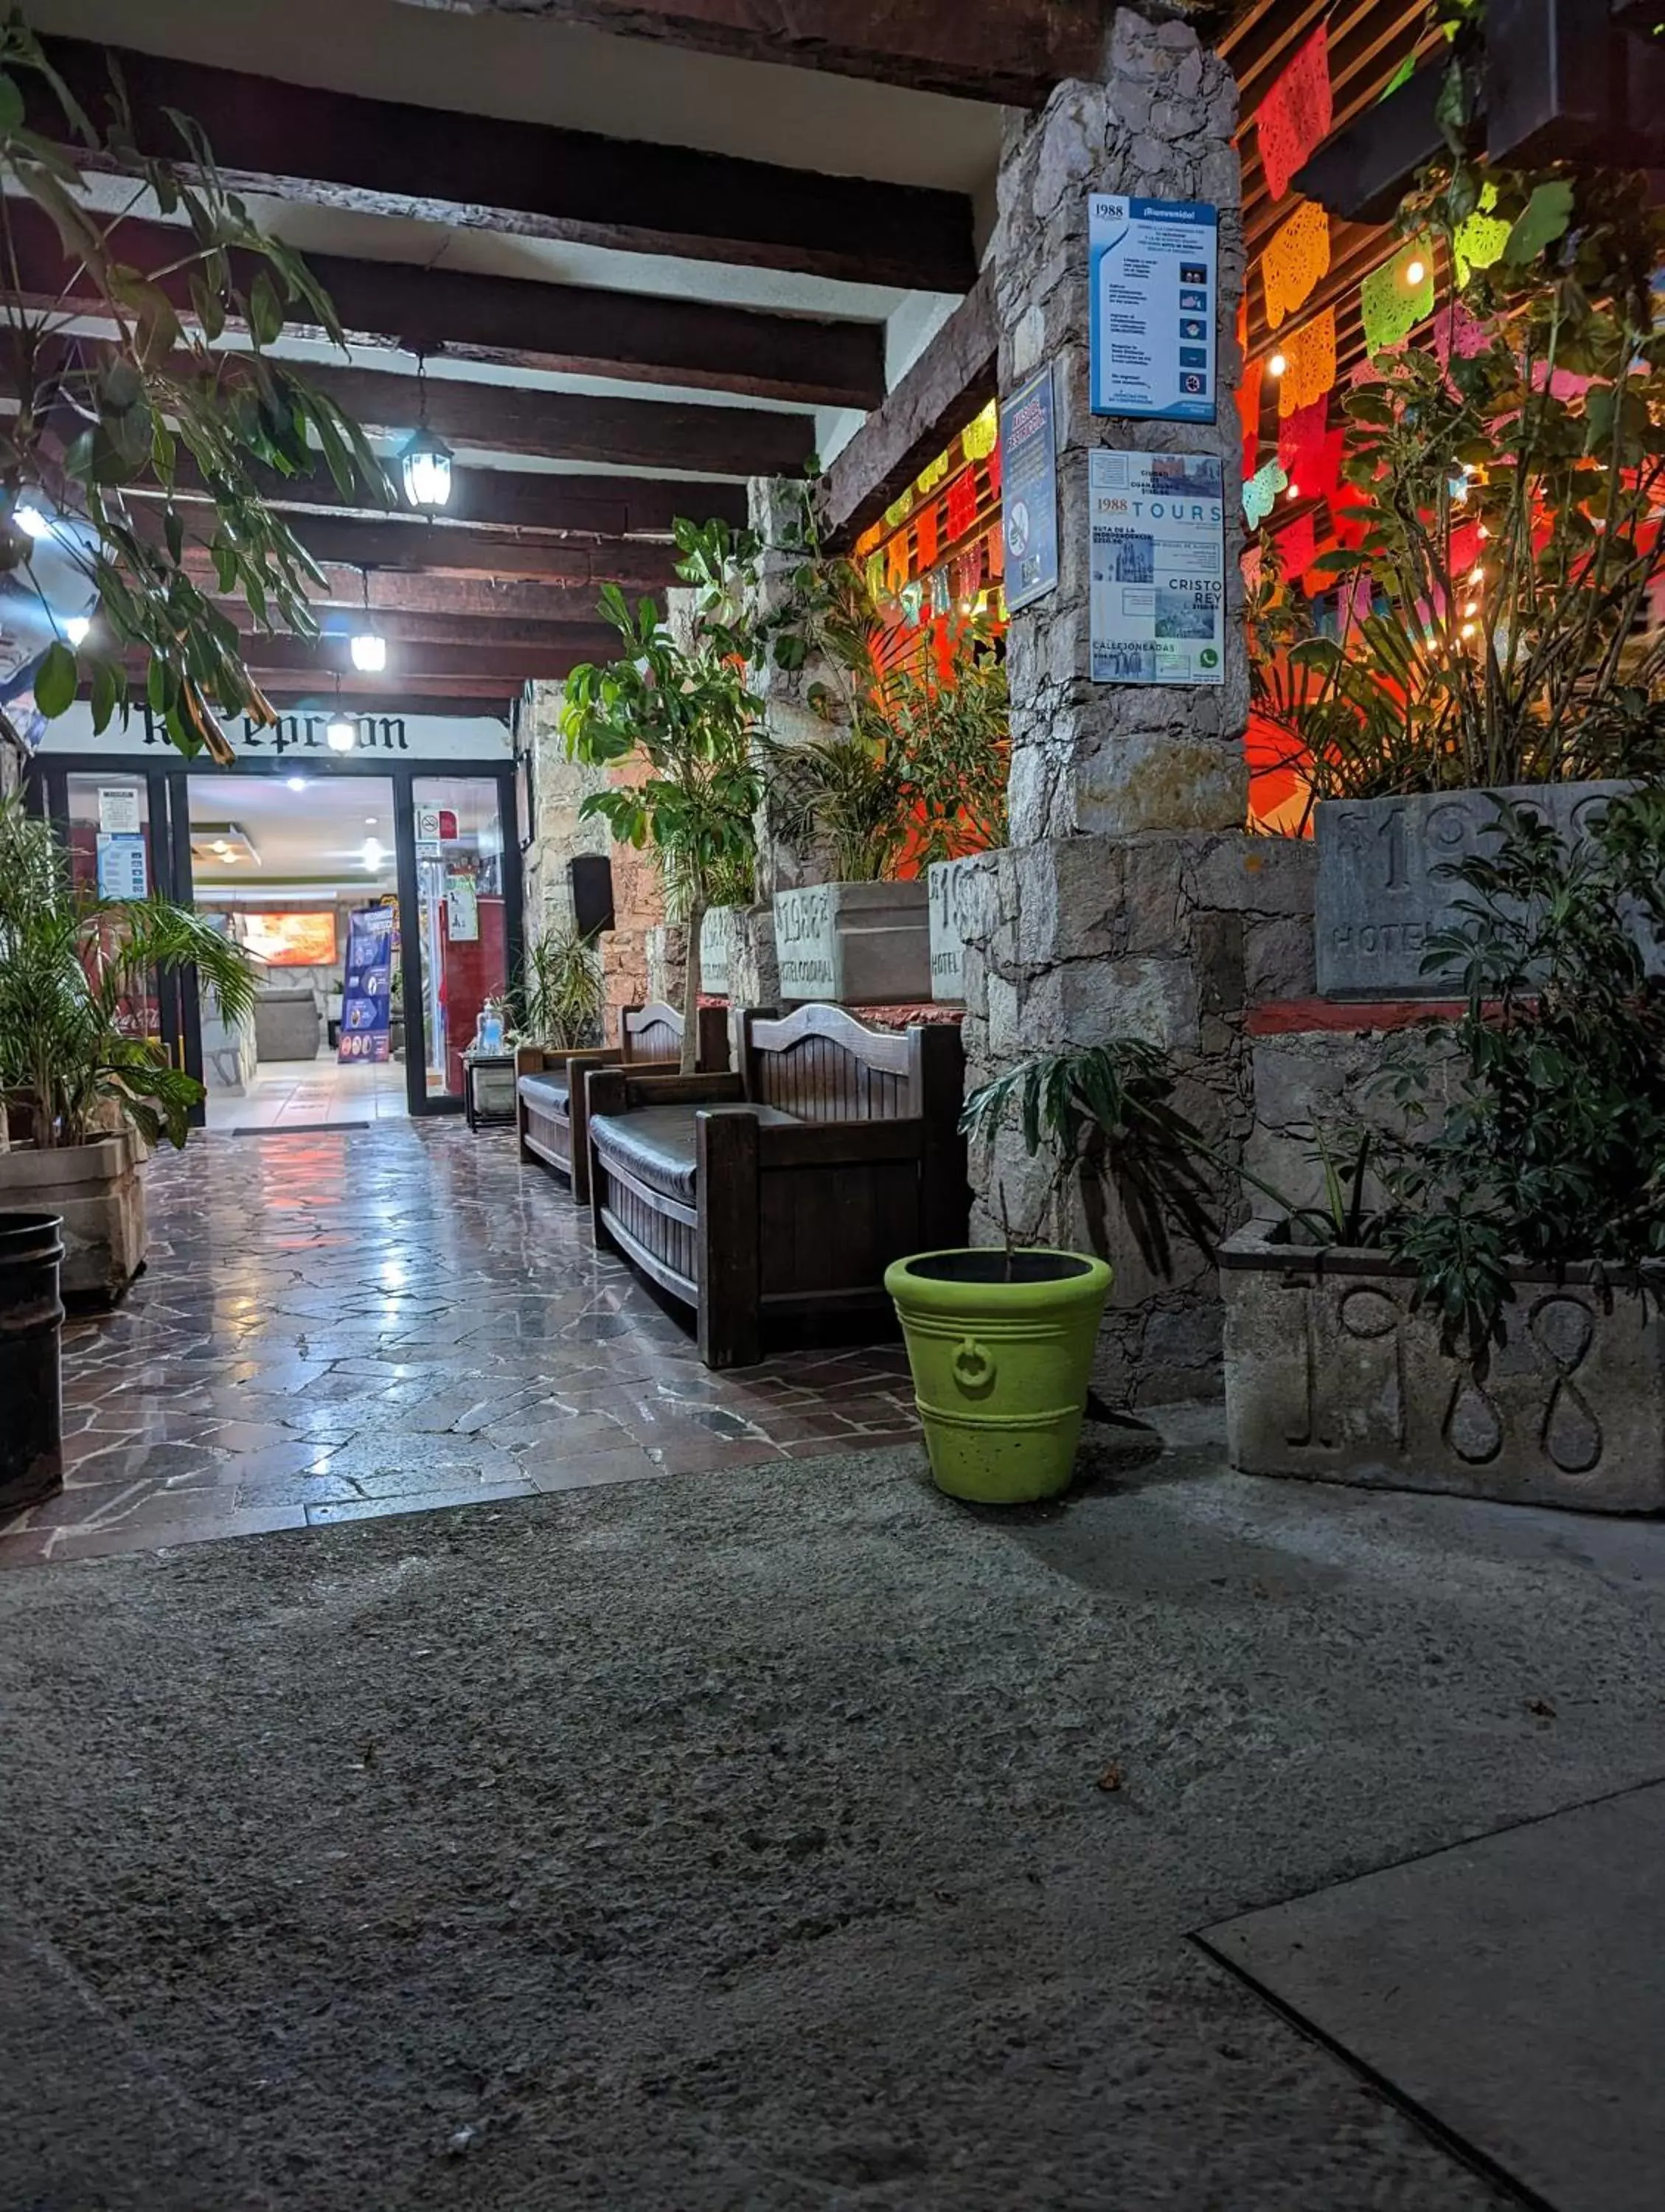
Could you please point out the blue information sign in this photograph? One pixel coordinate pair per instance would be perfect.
(1028, 491)
(1155, 276)
(366, 985)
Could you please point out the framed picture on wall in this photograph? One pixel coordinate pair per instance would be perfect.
(292, 941)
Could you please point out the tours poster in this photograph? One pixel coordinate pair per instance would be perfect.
(1158, 568)
(367, 985)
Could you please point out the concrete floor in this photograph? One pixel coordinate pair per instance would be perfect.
(786, 1839)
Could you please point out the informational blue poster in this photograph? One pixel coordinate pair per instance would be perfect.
(121, 869)
(1158, 568)
(1155, 275)
(1028, 491)
(366, 985)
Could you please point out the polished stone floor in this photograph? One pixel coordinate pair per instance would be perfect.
(343, 1324)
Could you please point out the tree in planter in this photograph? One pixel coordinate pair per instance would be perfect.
(99, 421)
(70, 966)
(683, 709)
(914, 767)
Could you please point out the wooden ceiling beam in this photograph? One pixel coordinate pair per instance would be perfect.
(511, 321)
(570, 426)
(952, 380)
(488, 172)
(607, 508)
(469, 598)
(1010, 51)
(486, 667)
(418, 549)
(574, 622)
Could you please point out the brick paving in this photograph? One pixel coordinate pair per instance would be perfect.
(338, 1325)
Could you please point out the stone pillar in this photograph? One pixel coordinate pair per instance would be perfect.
(1130, 901)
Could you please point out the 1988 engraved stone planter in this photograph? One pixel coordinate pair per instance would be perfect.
(1330, 1375)
(856, 944)
(1381, 892)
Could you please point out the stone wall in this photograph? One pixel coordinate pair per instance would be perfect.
(560, 785)
(1130, 901)
(1076, 940)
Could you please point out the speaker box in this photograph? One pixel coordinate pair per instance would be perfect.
(591, 878)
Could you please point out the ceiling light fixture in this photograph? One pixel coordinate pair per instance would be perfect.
(369, 647)
(373, 855)
(295, 782)
(76, 628)
(31, 521)
(425, 457)
(340, 733)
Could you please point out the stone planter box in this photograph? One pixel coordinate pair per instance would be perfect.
(1331, 1376)
(854, 945)
(944, 881)
(716, 951)
(100, 1192)
(1379, 894)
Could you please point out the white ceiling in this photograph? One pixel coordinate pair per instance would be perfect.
(508, 65)
(319, 832)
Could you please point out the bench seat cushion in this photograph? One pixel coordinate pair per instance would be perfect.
(657, 1147)
(548, 1092)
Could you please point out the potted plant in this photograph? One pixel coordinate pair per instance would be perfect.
(559, 993)
(1493, 1324)
(86, 1091)
(141, 458)
(1001, 1338)
(676, 713)
(910, 776)
(1501, 544)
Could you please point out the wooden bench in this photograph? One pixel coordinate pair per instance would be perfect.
(549, 1086)
(782, 1191)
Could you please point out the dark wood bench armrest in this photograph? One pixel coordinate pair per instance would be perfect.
(529, 1060)
(712, 1089)
(834, 1144)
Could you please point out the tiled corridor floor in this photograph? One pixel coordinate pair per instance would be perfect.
(285, 1093)
(366, 1322)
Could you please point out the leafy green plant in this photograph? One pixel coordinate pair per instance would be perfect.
(679, 707)
(70, 966)
(1508, 478)
(1551, 1144)
(914, 765)
(560, 992)
(1106, 1112)
(108, 433)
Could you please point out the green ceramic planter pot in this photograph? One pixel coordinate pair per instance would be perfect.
(1001, 1349)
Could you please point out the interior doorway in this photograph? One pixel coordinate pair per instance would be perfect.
(303, 872)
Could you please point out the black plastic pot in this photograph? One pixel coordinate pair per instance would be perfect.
(31, 1381)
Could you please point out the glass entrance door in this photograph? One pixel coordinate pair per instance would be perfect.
(462, 931)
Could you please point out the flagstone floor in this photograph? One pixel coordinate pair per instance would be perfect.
(334, 1325)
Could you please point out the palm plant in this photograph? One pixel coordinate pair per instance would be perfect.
(70, 966)
(107, 434)
(560, 991)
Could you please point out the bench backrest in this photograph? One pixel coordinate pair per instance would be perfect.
(652, 1034)
(822, 1065)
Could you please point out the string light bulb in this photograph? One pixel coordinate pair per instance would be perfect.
(1415, 271)
(1276, 365)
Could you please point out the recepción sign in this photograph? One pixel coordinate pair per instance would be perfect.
(1029, 492)
(1158, 568)
(1154, 270)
